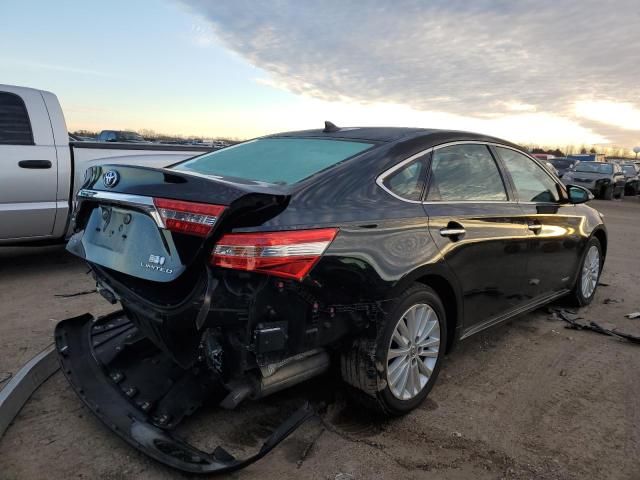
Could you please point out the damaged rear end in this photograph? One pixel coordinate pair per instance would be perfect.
(215, 309)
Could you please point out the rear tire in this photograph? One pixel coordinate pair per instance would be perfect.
(393, 373)
(587, 281)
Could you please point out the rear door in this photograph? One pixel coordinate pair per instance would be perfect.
(28, 174)
(553, 227)
(479, 229)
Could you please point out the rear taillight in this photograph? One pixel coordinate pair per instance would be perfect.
(188, 217)
(290, 254)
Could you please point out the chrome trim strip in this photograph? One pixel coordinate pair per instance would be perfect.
(380, 179)
(490, 202)
(138, 201)
(526, 308)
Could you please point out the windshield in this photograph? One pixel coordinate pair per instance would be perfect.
(594, 167)
(274, 160)
(629, 170)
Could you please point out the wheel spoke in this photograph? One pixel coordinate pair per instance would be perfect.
(412, 324)
(396, 370)
(428, 353)
(424, 369)
(397, 352)
(404, 377)
(403, 330)
(399, 339)
(429, 342)
(427, 331)
(415, 374)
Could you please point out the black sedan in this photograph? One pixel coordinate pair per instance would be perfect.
(243, 271)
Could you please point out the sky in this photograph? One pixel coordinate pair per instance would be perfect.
(547, 72)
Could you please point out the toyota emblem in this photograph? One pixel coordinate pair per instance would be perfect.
(110, 179)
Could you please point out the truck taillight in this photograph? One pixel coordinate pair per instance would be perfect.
(288, 254)
(188, 217)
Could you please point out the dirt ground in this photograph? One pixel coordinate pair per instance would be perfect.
(526, 399)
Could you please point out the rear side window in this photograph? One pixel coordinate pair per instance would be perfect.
(15, 128)
(532, 183)
(274, 160)
(465, 173)
(408, 181)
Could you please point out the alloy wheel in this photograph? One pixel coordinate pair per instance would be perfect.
(590, 272)
(413, 351)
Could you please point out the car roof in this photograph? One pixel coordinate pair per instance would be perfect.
(389, 134)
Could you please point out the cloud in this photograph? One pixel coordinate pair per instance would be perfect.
(59, 68)
(481, 59)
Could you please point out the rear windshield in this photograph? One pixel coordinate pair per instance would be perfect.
(274, 160)
(593, 167)
(561, 163)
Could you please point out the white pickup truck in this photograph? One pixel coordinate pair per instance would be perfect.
(41, 170)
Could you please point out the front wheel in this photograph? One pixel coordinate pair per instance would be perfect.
(589, 274)
(607, 193)
(394, 373)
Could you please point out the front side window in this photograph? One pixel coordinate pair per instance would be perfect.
(280, 161)
(465, 173)
(532, 183)
(15, 127)
(408, 181)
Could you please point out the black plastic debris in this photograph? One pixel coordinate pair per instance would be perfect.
(141, 395)
(572, 320)
(76, 294)
(608, 301)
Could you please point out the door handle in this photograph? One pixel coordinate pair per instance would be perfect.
(34, 164)
(453, 230)
(535, 227)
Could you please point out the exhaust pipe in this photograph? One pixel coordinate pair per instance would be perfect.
(288, 373)
(292, 373)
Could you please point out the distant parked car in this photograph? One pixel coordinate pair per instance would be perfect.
(562, 164)
(632, 179)
(604, 180)
(121, 136)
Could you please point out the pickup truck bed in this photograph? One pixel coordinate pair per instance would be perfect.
(42, 171)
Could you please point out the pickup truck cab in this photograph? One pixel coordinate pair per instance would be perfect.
(42, 170)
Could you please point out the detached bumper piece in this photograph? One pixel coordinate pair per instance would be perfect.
(140, 394)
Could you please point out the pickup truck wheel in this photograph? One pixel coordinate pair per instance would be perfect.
(394, 373)
(588, 274)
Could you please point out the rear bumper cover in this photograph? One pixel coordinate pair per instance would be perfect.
(103, 357)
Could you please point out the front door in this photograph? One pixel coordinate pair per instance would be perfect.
(553, 227)
(479, 230)
(28, 167)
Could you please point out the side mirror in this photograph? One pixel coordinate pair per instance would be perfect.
(578, 194)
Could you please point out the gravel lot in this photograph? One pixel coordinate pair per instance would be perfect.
(526, 399)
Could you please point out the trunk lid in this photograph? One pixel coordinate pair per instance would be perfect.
(132, 219)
